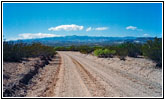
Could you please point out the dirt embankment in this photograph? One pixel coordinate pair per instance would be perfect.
(17, 75)
(45, 81)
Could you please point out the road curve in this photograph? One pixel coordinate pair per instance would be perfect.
(82, 77)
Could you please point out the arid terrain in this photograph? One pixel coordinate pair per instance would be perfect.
(72, 74)
(86, 49)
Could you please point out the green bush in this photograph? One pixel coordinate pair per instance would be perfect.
(98, 52)
(133, 49)
(128, 49)
(108, 53)
(153, 50)
(121, 51)
(104, 53)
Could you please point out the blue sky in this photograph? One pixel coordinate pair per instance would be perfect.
(37, 20)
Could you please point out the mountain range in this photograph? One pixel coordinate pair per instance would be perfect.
(85, 40)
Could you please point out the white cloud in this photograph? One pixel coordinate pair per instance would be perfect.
(71, 27)
(97, 29)
(101, 28)
(131, 28)
(36, 35)
(146, 35)
(89, 29)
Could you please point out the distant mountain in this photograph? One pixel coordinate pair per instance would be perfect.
(86, 40)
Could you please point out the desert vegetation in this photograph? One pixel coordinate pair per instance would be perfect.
(152, 49)
(104, 53)
(14, 52)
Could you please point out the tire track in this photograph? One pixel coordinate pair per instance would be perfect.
(70, 83)
(107, 88)
(93, 85)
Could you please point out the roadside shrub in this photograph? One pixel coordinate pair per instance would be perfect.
(13, 52)
(108, 53)
(85, 49)
(133, 49)
(104, 53)
(121, 52)
(16, 51)
(98, 52)
(153, 50)
(128, 49)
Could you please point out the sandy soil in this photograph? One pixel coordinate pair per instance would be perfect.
(72, 74)
(13, 72)
(88, 76)
(17, 75)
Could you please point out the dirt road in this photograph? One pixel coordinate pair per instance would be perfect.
(72, 74)
(82, 77)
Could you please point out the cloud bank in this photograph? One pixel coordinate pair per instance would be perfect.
(36, 35)
(71, 27)
(131, 28)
